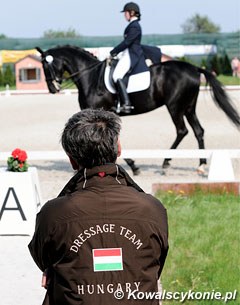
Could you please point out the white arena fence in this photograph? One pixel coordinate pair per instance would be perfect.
(220, 164)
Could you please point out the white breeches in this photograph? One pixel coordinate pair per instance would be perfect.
(123, 66)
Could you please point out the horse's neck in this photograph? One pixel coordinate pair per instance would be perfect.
(88, 75)
(79, 64)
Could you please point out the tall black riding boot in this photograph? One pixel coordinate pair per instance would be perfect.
(124, 98)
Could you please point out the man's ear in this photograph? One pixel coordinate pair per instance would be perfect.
(73, 163)
(119, 148)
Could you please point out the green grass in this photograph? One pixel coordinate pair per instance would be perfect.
(66, 85)
(229, 80)
(204, 244)
(3, 88)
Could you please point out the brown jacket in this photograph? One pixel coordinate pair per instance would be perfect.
(101, 239)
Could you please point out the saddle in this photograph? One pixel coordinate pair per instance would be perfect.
(134, 83)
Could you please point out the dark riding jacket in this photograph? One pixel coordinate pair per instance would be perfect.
(101, 239)
(132, 41)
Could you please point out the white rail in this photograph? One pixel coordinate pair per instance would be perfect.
(220, 168)
(177, 153)
(137, 154)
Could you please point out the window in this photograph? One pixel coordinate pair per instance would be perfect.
(29, 75)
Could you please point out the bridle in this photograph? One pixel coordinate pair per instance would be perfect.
(54, 79)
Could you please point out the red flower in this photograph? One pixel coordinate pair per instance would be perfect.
(19, 154)
(22, 156)
(15, 153)
(18, 161)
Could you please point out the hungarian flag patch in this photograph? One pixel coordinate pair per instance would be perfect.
(107, 259)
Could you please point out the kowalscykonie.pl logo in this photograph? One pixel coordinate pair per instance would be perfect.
(176, 295)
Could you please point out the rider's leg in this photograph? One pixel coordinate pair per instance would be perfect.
(119, 78)
(124, 98)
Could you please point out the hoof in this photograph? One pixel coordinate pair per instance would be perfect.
(166, 164)
(201, 169)
(136, 171)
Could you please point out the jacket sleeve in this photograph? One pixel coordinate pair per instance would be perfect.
(163, 256)
(42, 246)
(163, 238)
(131, 36)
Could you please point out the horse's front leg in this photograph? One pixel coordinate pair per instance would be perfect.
(181, 133)
(134, 168)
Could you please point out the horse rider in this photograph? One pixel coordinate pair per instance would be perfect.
(132, 60)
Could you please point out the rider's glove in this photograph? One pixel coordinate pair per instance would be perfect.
(109, 59)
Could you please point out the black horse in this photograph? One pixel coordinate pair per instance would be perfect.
(174, 84)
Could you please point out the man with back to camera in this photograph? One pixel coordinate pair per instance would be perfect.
(102, 238)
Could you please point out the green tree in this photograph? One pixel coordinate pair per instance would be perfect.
(2, 36)
(8, 76)
(70, 33)
(225, 65)
(200, 24)
(1, 77)
(203, 63)
(215, 65)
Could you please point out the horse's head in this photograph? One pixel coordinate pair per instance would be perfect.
(53, 69)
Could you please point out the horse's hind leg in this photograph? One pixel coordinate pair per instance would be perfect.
(134, 168)
(181, 133)
(199, 134)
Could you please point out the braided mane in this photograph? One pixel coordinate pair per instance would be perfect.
(78, 49)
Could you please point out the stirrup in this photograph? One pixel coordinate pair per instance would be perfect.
(126, 108)
(123, 109)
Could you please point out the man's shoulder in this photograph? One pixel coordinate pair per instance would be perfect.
(152, 202)
(147, 206)
(53, 206)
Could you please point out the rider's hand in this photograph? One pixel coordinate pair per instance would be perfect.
(109, 60)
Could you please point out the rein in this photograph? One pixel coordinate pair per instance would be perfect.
(76, 73)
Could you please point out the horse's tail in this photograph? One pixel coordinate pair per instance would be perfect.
(221, 98)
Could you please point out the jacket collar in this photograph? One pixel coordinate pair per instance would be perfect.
(83, 175)
(133, 19)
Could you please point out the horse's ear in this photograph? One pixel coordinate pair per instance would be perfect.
(39, 50)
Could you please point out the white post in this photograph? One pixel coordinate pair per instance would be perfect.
(7, 91)
(67, 92)
(221, 168)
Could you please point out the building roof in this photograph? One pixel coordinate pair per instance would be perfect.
(34, 57)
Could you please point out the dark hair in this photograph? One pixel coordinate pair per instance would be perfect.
(132, 7)
(90, 137)
(138, 15)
